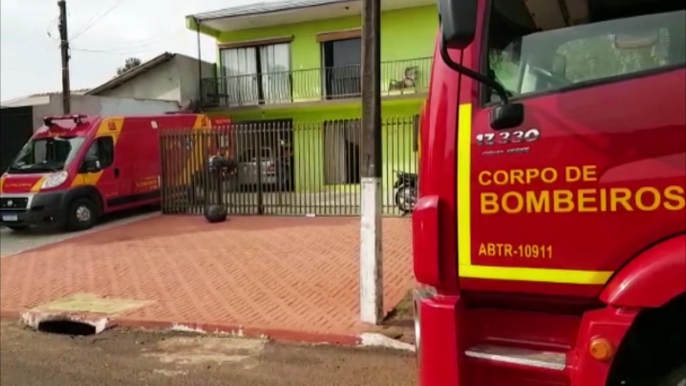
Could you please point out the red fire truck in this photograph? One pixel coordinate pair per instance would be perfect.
(550, 232)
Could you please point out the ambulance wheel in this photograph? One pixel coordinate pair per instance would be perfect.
(82, 214)
(676, 378)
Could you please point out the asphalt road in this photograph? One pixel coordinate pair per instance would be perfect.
(14, 242)
(136, 358)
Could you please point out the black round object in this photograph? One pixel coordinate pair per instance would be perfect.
(215, 213)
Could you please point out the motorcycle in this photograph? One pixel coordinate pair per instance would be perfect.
(405, 191)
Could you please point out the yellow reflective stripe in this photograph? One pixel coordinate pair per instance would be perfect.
(464, 224)
(464, 191)
(564, 276)
(201, 122)
(108, 127)
(104, 129)
(38, 185)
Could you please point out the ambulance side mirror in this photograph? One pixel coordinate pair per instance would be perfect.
(90, 166)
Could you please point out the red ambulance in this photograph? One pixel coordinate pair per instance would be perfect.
(76, 168)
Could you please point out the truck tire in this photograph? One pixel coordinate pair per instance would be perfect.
(81, 215)
(676, 378)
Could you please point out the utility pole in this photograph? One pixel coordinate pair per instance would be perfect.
(64, 45)
(371, 271)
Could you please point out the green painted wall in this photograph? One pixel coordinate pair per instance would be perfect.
(405, 34)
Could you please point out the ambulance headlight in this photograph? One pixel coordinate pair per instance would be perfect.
(55, 179)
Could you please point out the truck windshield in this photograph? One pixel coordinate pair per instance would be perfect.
(46, 155)
(534, 50)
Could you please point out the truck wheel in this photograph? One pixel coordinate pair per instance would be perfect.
(676, 378)
(82, 215)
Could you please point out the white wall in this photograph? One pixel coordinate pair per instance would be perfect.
(97, 105)
(189, 76)
(175, 80)
(161, 82)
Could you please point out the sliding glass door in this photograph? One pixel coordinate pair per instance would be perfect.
(257, 75)
(275, 61)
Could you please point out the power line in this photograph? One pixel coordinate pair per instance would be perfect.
(129, 51)
(133, 47)
(51, 27)
(96, 19)
(129, 45)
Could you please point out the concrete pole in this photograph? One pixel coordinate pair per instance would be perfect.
(64, 45)
(371, 271)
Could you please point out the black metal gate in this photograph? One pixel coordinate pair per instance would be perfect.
(16, 127)
(280, 167)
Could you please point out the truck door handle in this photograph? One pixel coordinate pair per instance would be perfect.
(116, 172)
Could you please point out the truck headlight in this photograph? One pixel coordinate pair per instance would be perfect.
(54, 180)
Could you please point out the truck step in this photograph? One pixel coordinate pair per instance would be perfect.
(549, 360)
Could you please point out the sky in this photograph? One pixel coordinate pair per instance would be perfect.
(103, 33)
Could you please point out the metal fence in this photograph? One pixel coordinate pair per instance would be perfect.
(397, 78)
(281, 167)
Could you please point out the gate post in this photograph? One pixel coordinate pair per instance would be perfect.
(258, 151)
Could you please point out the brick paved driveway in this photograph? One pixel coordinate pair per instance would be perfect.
(291, 278)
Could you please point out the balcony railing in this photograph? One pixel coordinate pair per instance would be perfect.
(400, 77)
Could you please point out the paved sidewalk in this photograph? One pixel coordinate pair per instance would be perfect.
(288, 278)
(16, 242)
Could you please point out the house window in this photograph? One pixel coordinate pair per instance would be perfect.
(342, 152)
(342, 59)
(258, 74)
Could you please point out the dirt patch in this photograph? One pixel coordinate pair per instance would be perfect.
(123, 357)
(399, 324)
(208, 350)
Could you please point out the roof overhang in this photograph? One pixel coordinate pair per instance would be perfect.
(287, 12)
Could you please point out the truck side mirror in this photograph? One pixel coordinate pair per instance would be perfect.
(507, 116)
(458, 22)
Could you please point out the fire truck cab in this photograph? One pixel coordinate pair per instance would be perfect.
(550, 231)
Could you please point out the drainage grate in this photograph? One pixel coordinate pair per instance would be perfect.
(66, 327)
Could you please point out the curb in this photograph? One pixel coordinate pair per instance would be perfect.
(276, 334)
(101, 323)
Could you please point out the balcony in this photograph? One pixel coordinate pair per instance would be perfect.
(398, 78)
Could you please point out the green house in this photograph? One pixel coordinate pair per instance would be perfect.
(291, 71)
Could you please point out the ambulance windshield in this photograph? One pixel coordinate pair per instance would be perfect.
(42, 155)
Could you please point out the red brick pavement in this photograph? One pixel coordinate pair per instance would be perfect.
(291, 278)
